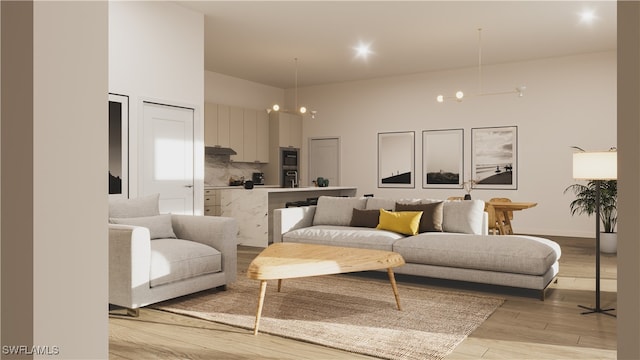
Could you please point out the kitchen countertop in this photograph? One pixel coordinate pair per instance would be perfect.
(224, 187)
(275, 188)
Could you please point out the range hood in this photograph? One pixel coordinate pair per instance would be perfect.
(219, 150)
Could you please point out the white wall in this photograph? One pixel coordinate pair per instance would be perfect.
(70, 286)
(156, 52)
(227, 90)
(568, 101)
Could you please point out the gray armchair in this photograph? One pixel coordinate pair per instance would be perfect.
(154, 257)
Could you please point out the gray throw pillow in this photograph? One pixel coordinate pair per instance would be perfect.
(159, 226)
(332, 210)
(431, 220)
(130, 208)
(463, 216)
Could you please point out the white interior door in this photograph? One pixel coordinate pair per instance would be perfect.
(167, 156)
(324, 160)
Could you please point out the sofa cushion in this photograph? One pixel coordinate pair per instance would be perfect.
(463, 216)
(159, 226)
(431, 219)
(138, 207)
(365, 218)
(336, 210)
(374, 203)
(176, 259)
(512, 253)
(403, 222)
(344, 236)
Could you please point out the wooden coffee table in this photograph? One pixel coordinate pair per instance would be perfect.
(293, 260)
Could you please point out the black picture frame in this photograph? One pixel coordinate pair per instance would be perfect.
(494, 157)
(118, 146)
(396, 159)
(443, 159)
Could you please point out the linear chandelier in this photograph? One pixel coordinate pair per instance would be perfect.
(302, 110)
(459, 95)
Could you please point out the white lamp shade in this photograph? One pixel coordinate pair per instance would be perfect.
(595, 165)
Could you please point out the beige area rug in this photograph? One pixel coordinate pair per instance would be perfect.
(346, 312)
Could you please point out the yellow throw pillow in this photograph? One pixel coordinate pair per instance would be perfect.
(403, 222)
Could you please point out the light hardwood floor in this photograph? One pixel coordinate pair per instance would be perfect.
(522, 328)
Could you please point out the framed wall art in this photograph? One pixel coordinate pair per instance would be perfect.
(118, 145)
(396, 159)
(442, 158)
(494, 157)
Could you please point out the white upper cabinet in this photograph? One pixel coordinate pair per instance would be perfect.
(236, 133)
(216, 125)
(250, 141)
(289, 129)
(262, 137)
(244, 130)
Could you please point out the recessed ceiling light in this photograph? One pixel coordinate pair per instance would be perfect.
(587, 16)
(363, 50)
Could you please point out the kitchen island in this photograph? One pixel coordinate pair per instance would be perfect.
(253, 208)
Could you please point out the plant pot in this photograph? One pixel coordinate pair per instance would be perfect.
(608, 243)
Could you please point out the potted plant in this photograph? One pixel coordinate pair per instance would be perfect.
(585, 203)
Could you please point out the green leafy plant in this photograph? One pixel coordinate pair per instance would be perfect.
(585, 201)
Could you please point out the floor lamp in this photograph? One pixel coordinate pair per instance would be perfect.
(596, 166)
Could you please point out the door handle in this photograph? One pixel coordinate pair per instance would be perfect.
(188, 186)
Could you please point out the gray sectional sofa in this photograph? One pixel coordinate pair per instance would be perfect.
(458, 246)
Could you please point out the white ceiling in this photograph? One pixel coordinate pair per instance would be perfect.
(258, 41)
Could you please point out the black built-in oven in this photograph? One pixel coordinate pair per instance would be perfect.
(290, 159)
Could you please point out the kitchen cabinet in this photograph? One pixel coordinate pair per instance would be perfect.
(236, 133)
(285, 131)
(246, 131)
(256, 136)
(250, 135)
(211, 202)
(216, 125)
(289, 129)
(262, 137)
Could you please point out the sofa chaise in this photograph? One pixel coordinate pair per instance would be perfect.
(452, 241)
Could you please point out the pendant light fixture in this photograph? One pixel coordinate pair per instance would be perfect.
(302, 110)
(459, 95)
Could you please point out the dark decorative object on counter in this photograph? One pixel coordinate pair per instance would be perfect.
(248, 184)
(322, 182)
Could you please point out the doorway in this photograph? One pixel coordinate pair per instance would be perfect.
(324, 159)
(167, 156)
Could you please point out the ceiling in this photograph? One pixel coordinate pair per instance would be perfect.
(258, 41)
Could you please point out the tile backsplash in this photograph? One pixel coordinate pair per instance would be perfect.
(218, 169)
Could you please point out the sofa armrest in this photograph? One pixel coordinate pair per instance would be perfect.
(218, 232)
(288, 219)
(129, 262)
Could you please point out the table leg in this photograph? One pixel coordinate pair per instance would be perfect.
(507, 224)
(394, 286)
(279, 285)
(263, 290)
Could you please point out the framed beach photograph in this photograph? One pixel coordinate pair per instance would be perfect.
(494, 157)
(396, 154)
(118, 146)
(442, 159)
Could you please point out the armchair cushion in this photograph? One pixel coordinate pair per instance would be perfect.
(159, 225)
(130, 208)
(175, 260)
